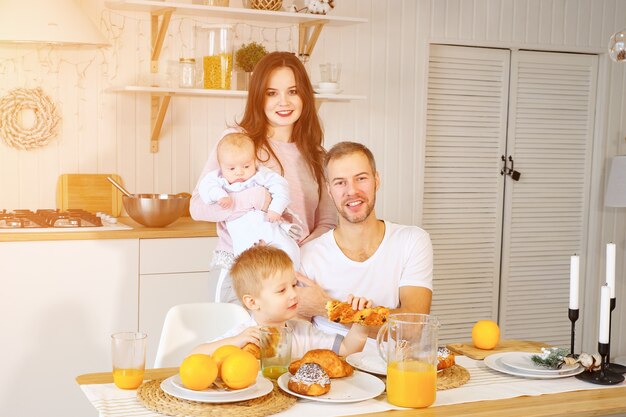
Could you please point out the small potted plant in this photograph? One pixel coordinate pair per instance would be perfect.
(246, 58)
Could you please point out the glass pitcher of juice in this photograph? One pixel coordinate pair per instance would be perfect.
(411, 355)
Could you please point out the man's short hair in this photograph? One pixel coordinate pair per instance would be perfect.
(342, 149)
(256, 264)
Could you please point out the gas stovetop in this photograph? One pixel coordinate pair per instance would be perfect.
(54, 218)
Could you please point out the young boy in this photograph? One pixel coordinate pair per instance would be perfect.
(265, 281)
(239, 171)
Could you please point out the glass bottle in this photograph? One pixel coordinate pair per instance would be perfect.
(215, 44)
(187, 73)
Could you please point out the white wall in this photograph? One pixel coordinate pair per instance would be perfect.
(384, 60)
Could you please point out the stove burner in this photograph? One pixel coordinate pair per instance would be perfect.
(48, 218)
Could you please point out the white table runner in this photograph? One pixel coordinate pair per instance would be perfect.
(484, 384)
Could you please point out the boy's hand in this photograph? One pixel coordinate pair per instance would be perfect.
(225, 202)
(272, 216)
(250, 335)
(358, 303)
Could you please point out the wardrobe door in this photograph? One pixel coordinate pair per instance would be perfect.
(463, 190)
(550, 132)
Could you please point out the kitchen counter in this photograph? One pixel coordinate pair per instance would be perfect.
(183, 227)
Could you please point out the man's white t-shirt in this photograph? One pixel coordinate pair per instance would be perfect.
(304, 337)
(403, 258)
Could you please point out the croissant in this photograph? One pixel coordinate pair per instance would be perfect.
(252, 348)
(334, 366)
(341, 312)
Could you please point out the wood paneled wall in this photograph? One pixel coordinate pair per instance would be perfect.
(384, 59)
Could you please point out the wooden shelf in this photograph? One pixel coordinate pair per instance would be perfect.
(202, 92)
(232, 12)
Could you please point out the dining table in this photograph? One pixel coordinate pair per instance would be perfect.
(487, 394)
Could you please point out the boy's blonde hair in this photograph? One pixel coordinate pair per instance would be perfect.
(236, 141)
(256, 264)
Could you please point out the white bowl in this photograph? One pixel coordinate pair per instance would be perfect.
(328, 86)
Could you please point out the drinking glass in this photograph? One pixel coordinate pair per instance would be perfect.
(275, 351)
(411, 356)
(330, 73)
(128, 351)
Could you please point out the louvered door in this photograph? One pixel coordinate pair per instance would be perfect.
(463, 191)
(549, 136)
(502, 247)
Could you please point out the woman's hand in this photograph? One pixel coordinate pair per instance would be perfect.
(272, 216)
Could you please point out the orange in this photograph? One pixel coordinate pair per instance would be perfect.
(198, 371)
(485, 334)
(240, 370)
(222, 353)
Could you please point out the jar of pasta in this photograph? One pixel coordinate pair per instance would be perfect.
(215, 44)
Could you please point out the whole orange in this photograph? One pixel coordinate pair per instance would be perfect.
(485, 334)
(222, 353)
(198, 371)
(240, 370)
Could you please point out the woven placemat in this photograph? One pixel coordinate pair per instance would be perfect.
(452, 377)
(152, 397)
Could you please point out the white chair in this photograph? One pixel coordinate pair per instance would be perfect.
(188, 325)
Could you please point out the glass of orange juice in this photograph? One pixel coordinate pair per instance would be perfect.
(275, 351)
(410, 351)
(128, 351)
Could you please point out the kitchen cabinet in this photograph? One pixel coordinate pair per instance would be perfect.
(502, 246)
(61, 302)
(172, 271)
(310, 27)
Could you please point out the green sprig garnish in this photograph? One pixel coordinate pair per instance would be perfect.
(551, 358)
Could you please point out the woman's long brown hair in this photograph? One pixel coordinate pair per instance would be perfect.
(307, 132)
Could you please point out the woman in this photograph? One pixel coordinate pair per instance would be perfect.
(281, 119)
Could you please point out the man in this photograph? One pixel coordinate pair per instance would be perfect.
(379, 260)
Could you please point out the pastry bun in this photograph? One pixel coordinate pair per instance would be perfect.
(445, 358)
(334, 366)
(310, 379)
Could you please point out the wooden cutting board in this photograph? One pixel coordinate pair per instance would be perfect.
(470, 351)
(91, 192)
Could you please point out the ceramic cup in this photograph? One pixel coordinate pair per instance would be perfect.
(328, 86)
(330, 73)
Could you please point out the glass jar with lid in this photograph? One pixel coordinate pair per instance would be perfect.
(187, 72)
(215, 44)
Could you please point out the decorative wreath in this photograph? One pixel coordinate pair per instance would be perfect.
(46, 118)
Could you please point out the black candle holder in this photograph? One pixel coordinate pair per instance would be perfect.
(613, 367)
(603, 376)
(573, 316)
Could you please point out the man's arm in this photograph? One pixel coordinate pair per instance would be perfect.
(412, 300)
(312, 298)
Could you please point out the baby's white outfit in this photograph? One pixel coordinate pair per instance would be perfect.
(250, 227)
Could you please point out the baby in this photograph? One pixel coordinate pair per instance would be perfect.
(265, 281)
(238, 171)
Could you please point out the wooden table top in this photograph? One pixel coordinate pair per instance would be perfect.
(597, 402)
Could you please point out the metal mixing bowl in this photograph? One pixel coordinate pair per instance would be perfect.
(156, 210)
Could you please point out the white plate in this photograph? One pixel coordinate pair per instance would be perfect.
(357, 387)
(495, 362)
(263, 386)
(371, 363)
(522, 361)
(209, 392)
(334, 91)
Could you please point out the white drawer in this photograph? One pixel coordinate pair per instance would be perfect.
(162, 256)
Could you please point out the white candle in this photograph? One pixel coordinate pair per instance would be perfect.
(610, 267)
(573, 282)
(605, 311)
